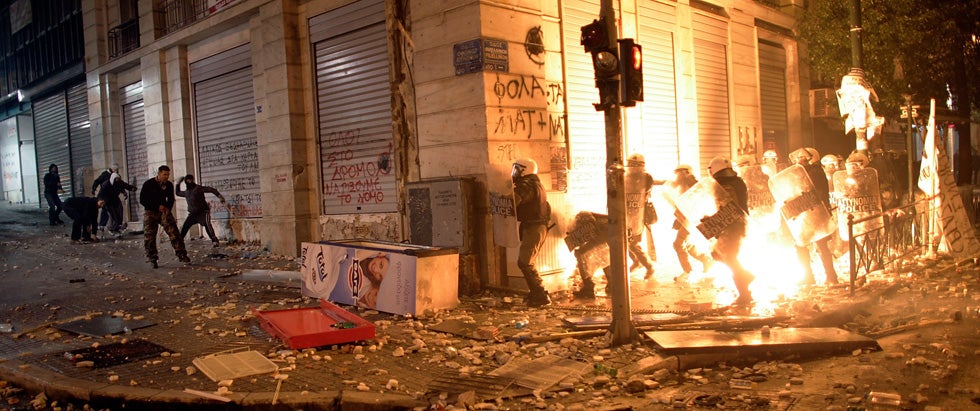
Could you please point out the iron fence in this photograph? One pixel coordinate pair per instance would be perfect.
(902, 232)
(175, 14)
(124, 38)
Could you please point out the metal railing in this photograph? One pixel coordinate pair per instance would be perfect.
(174, 14)
(901, 233)
(124, 38)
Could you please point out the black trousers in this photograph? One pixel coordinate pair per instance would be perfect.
(199, 217)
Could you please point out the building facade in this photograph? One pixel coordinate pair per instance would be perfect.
(398, 120)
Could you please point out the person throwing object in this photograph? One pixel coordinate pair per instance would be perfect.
(198, 210)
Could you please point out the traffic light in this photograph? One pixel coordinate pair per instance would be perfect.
(595, 39)
(631, 72)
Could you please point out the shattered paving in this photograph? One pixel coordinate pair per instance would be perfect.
(909, 336)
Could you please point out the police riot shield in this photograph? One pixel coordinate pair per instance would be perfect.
(503, 211)
(800, 205)
(634, 187)
(762, 210)
(858, 195)
(708, 209)
(587, 238)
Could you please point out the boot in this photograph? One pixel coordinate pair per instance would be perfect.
(538, 297)
(586, 291)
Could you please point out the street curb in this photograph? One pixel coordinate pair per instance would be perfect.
(59, 387)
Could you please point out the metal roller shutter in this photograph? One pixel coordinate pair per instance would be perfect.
(659, 109)
(711, 78)
(354, 113)
(227, 142)
(51, 139)
(79, 138)
(772, 87)
(586, 126)
(137, 171)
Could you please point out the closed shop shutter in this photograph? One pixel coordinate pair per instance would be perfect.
(772, 87)
(711, 78)
(354, 110)
(661, 144)
(227, 142)
(51, 139)
(586, 126)
(79, 137)
(137, 171)
(134, 139)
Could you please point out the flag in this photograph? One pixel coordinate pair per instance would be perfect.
(928, 181)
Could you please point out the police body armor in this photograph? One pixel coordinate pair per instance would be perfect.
(806, 215)
(858, 195)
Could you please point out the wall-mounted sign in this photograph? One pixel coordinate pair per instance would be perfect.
(480, 55)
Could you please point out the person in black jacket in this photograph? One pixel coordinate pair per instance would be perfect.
(52, 185)
(729, 241)
(157, 198)
(198, 210)
(84, 212)
(109, 191)
(533, 213)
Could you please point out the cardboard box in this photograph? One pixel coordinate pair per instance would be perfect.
(389, 277)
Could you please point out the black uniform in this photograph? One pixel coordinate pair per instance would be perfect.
(533, 213)
(198, 210)
(52, 185)
(154, 194)
(84, 212)
(730, 240)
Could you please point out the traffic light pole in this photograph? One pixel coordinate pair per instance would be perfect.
(622, 329)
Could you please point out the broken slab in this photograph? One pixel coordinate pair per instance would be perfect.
(466, 329)
(756, 342)
(103, 325)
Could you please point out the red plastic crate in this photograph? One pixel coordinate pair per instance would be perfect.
(315, 326)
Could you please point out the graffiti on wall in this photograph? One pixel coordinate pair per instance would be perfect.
(528, 108)
(746, 142)
(356, 170)
(534, 45)
(232, 167)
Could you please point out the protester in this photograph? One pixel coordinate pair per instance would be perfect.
(683, 180)
(109, 191)
(729, 241)
(157, 198)
(533, 213)
(99, 181)
(807, 158)
(638, 184)
(84, 213)
(198, 210)
(52, 186)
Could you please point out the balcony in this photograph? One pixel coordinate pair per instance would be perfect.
(124, 38)
(175, 14)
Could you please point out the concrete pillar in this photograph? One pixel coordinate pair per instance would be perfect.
(95, 29)
(158, 139)
(284, 166)
(106, 124)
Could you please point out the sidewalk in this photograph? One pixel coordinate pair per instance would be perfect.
(205, 308)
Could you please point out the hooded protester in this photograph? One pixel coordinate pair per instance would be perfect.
(52, 186)
(198, 210)
(84, 212)
(109, 191)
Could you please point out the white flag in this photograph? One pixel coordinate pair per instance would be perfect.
(928, 181)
